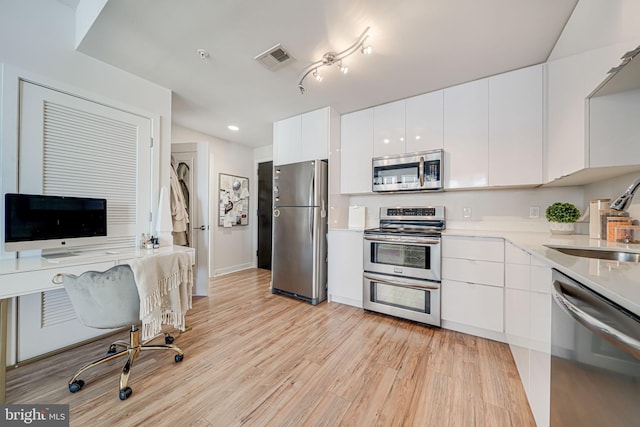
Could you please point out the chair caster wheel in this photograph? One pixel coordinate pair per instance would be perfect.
(125, 393)
(112, 350)
(76, 386)
(179, 357)
(168, 339)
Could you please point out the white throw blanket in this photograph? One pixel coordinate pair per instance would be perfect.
(165, 283)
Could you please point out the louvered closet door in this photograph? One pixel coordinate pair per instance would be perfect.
(74, 147)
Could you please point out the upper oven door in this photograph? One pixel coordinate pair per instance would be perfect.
(408, 256)
(417, 171)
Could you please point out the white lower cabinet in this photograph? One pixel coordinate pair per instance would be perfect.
(345, 266)
(472, 304)
(528, 326)
(472, 295)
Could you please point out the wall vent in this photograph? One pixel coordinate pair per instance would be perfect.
(274, 58)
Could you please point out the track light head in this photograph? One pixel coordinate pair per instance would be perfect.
(331, 58)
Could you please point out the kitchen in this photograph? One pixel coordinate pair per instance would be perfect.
(489, 208)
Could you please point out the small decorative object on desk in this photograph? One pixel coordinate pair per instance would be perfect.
(562, 217)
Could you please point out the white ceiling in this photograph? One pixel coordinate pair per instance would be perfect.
(419, 46)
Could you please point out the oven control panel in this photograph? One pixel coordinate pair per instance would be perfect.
(417, 212)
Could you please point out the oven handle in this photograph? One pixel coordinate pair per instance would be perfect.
(614, 336)
(391, 282)
(402, 240)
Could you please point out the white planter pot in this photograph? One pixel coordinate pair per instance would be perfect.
(562, 227)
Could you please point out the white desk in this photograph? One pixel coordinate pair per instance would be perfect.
(24, 276)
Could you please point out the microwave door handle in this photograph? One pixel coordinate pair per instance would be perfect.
(421, 171)
(617, 338)
(391, 282)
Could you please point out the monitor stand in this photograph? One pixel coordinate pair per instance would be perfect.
(52, 256)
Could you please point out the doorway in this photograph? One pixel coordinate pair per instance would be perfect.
(191, 164)
(265, 207)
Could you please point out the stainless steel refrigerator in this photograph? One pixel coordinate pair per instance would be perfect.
(299, 266)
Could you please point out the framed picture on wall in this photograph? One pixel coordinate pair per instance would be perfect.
(233, 205)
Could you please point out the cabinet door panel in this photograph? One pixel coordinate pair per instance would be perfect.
(356, 142)
(314, 135)
(388, 129)
(286, 140)
(466, 135)
(515, 127)
(470, 304)
(424, 122)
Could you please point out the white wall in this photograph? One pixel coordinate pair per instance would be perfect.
(37, 44)
(612, 188)
(232, 247)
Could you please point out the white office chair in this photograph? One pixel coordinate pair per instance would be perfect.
(109, 300)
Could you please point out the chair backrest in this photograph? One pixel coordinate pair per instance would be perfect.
(104, 300)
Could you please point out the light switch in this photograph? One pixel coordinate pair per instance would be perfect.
(466, 213)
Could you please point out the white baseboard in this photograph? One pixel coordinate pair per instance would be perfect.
(232, 269)
(344, 300)
(471, 330)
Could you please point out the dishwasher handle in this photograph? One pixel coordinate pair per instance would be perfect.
(599, 327)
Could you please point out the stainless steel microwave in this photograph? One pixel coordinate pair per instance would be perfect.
(419, 171)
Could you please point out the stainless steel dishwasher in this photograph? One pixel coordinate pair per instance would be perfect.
(595, 358)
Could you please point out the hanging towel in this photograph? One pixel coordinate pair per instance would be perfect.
(165, 286)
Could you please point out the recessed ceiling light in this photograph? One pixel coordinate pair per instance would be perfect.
(233, 128)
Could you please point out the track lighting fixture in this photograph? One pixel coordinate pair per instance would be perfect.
(331, 58)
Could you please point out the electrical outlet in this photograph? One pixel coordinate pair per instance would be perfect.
(466, 213)
(534, 212)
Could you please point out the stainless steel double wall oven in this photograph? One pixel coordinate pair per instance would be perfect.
(402, 263)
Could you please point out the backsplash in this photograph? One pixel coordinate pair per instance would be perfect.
(506, 208)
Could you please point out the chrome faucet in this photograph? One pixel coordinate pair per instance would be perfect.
(624, 200)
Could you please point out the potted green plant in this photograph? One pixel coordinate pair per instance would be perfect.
(562, 217)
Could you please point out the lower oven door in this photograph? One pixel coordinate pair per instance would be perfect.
(412, 299)
(399, 255)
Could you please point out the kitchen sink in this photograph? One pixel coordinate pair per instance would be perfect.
(612, 255)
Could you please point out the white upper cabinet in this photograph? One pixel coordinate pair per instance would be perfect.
(356, 149)
(389, 129)
(424, 122)
(570, 81)
(516, 127)
(286, 140)
(466, 135)
(303, 137)
(613, 129)
(314, 135)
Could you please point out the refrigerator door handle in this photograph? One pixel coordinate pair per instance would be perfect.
(311, 189)
(311, 222)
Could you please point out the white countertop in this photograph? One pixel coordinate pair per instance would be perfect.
(616, 280)
(32, 263)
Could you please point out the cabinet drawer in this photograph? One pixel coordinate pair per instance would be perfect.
(40, 280)
(482, 272)
(474, 305)
(475, 248)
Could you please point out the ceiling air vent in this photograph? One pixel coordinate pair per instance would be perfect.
(274, 58)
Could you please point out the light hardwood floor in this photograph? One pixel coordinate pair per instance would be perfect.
(257, 359)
